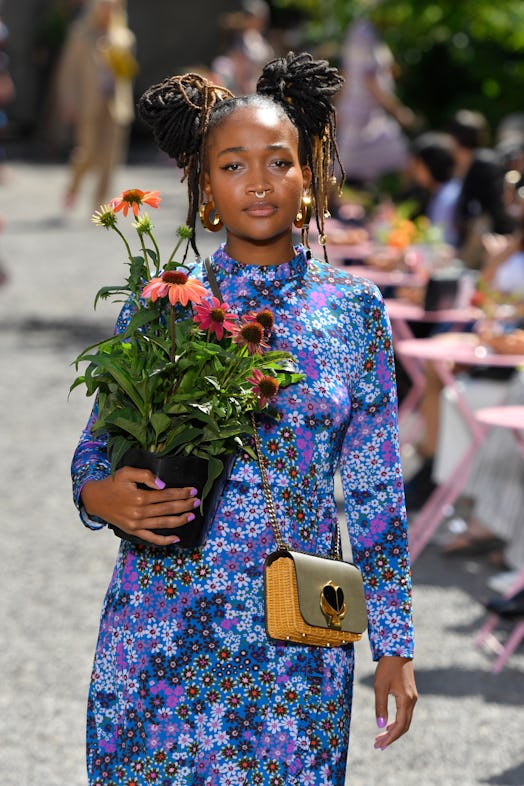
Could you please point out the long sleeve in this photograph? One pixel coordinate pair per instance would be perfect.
(373, 489)
(90, 462)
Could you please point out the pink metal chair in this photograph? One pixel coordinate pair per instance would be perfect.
(511, 417)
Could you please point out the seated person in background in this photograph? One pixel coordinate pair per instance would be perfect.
(496, 483)
(502, 281)
(421, 484)
(480, 207)
(503, 269)
(432, 167)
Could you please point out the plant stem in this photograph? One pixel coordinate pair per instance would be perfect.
(172, 330)
(157, 251)
(233, 366)
(174, 251)
(146, 256)
(128, 248)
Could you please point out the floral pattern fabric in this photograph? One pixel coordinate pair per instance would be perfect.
(187, 689)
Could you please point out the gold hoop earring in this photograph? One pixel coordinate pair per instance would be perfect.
(209, 217)
(303, 216)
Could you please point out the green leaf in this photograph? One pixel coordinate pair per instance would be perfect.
(213, 381)
(138, 320)
(105, 292)
(123, 379)
(175, 439)
(126, 420)
(117, 448)
(159, 423)
(137, 273)
(215, 467)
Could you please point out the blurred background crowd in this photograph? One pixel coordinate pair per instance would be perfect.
(431, 137)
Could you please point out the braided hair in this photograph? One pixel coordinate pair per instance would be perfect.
(181, 111)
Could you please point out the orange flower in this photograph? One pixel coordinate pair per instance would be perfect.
(403, 233)
(133, 198)
(177, 286)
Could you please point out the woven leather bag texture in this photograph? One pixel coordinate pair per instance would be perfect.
(313, 600)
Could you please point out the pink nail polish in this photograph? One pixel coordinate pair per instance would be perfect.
(191, 517)
(175, 539)
(196, 503)
(159, 484)
(193, 492)
(381, 722)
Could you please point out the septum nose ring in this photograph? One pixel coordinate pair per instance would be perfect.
(260, 194)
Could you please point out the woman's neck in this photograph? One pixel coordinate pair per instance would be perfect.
(264, 252)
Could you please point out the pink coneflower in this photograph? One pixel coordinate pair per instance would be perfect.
(265, 317)
(177, 286)
(214, 316)
(133, 198)
(264, 386)
(251, 335)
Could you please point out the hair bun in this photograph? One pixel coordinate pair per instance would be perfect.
(304, 86)
(176, 110)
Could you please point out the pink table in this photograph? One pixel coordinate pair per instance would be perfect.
(511, 417)
(385, 278)
(339, 252)
(400, 315)
(358, 253)
(445, 353)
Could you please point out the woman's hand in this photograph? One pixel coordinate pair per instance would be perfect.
(119, 500)
(394, 676)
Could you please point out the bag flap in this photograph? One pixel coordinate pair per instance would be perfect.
(313, 574)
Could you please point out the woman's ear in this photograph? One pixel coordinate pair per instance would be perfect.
(307, 176)
(206, 187)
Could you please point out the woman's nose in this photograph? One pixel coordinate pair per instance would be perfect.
(259, 186)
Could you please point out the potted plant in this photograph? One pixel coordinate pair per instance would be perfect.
(179, 384)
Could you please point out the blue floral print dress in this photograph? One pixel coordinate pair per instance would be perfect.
(187, 689)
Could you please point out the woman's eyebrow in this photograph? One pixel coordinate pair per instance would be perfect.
(242, 149)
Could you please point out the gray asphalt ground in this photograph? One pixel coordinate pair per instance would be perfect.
(468, 726)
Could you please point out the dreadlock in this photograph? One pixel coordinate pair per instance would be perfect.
(177, 111)
(182, 109)
(304, 87)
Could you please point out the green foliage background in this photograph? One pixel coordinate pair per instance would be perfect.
(451, 54)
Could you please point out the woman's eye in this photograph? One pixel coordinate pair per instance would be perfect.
(281, 163)
(233, 167)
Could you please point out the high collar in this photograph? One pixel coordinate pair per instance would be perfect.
(295, 267)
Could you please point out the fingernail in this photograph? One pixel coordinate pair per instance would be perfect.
(159, 483)
(174, 539)
(381, 722)
(196, 503)
(193, 492)
(191, 517)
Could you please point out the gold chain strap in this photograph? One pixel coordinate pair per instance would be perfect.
(258, 445)
(267, 491)
(269, 498)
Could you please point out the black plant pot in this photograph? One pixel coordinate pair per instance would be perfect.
(179, 472)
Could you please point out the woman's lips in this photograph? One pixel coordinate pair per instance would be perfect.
(260, 209)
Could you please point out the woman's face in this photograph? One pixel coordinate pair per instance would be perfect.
(255, 151)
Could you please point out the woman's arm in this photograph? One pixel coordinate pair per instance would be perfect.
(117, 499)
(373, 486)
